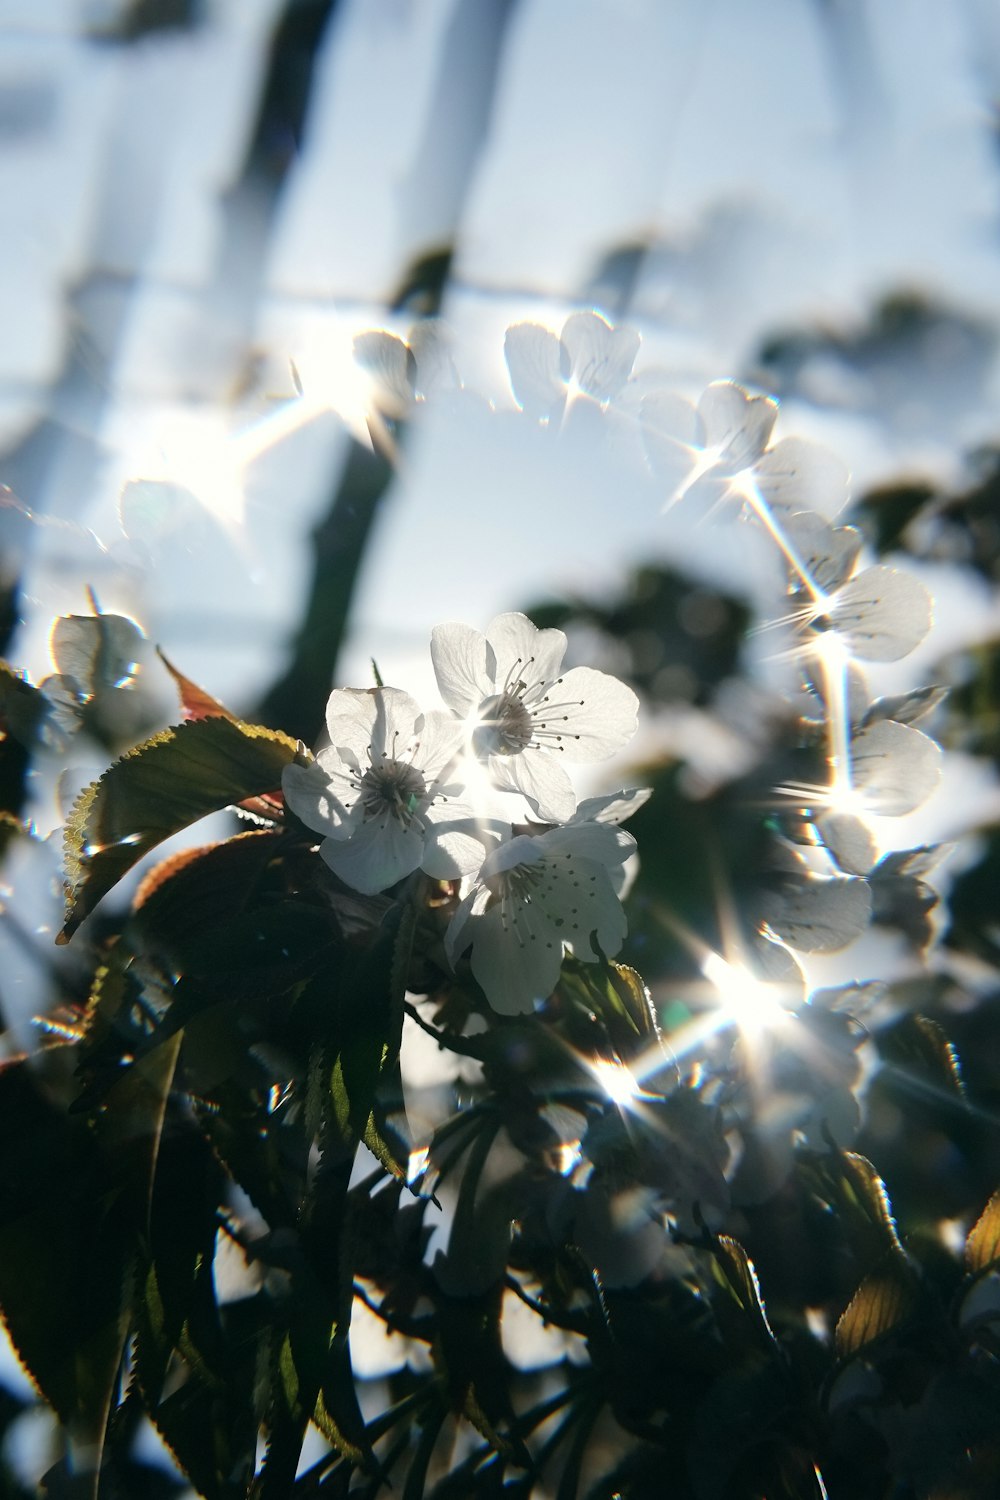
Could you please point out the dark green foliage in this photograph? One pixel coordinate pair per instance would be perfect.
(769, 1258)
(23, 712)
(674, 639)
(197, 1069)
(161, 787)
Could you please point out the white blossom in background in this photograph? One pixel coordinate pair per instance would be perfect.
(894, 768)
(612, 807)
(822, 557)
(722, 447)
(410, 370)
(590, 358)
(382, 793)
(386, 795)
(842, 613)
(814, 914)
(796, 474)
(707, 445)
(524, 716)
(882, 613)
(534, 898)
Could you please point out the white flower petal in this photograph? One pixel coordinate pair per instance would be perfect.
(773, 964)
(883, 613)
(431, 342)
(819, 916)
(539, 777)
(343, 768)
(456, 938)
(390, 363)
(894, 767)
(513, 974)
(378, 853)
(535, 895)
(855, 688)
(858, 693)
(308, 793)
(907, 708)
(350, 715)
(614, 807)
(380, 718)
(828, 553)
(605, 843)
(451, 852)
(440, 741)
(799, 475)
(579, 901)
(736, 423)
(523, 849)
(601, 357)
(587, 714)
(397, 717)
(849, 841)
(915, 863)
(535, 362)
(448, 808)
(673, 435)
(523, 652)
(463, 665)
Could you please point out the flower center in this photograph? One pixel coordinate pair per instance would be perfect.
(505, 726)
(395, 787)
(517, 884)
(515, 892)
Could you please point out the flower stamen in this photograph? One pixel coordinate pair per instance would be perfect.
(395, 788)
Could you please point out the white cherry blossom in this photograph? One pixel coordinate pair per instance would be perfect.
(381, 795)
(705, 447)
(534, 897)
(796, 474)
(737, 426)
(894, 768)
(882, 613)
(591, 357)
(525, 715)
(723, 446)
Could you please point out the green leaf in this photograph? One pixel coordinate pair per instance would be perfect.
(479, 1239)
(735, 1271)
(372, 1028)
(617, 995)
(262, 952)
(22, 707)
(130, 1124)
(314, 1379)
(919, 1047)
(66, 1245)
(162, 786)
(982, 1248)
(187, 1188)
(475, 1367)
(175, 1317)
(883, 1300)
(23, 712)
(209, 1418)
(850, 1184)
(416, 1478)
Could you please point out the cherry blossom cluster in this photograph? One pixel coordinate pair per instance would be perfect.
(479, 794)
(394, 797)
(840, 614)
